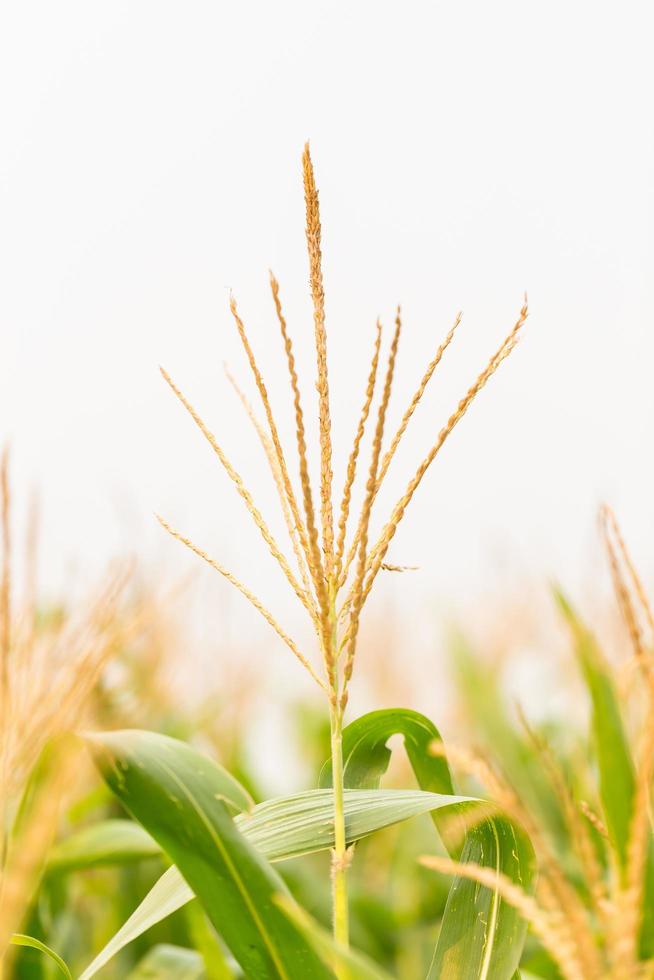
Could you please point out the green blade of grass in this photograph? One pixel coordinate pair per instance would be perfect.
(204, 939)
(481, 936)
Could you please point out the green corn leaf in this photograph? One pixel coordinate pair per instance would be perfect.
(617, 777)
(294, 825)
(18, 939)
(104, 843)
(366, 756)
(481, 936)
(164, 962)
(182, 800)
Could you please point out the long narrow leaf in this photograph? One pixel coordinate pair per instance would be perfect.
(18, 939)
(182, 798)
(482, 937)
(617, 779)
(616, 771)
(105, 843)
(294, 825)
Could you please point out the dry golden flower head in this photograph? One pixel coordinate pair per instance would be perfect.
(331, 585)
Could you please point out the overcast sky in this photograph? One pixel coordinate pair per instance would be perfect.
(465, 152)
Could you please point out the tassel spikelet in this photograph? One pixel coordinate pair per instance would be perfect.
(354, 455)
(313, 233)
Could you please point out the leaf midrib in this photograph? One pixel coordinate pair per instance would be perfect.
(232, 868)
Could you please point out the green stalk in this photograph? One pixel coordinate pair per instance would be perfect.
(339, 866)
(339, 857)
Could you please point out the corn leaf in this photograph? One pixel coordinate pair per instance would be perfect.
(104, 843)
(183, 800)
(481, 937)
(218, 964)
(366, 756)
(617, 778)
(18, 939)
(294, 825)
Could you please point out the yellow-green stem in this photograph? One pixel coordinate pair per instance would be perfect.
(339, 857)
(339, 865)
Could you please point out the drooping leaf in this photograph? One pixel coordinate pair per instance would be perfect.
(182, 798)
(165, 962)
(18, 939)
(481, 936)
(104, 843)
(366, 756)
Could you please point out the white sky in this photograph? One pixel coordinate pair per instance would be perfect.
(465, 152)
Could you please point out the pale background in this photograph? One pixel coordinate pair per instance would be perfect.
(465, 152)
